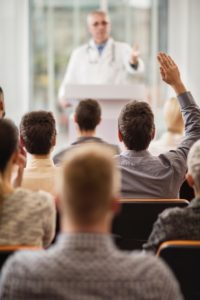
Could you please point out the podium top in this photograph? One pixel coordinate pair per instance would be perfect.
(135, 91)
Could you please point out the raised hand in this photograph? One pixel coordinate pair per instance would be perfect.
(170, 73)
(135, 55)
(21, 164)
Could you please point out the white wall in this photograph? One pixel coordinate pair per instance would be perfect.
(14, 66)
(184, 41)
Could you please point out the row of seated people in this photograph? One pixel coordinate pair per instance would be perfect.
(84, 262)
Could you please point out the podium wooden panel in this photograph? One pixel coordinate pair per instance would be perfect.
(111, 98)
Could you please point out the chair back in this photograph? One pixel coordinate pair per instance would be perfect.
(133, 225)
(7, 250)
(183, 257)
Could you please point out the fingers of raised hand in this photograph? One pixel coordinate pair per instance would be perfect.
(166, 61)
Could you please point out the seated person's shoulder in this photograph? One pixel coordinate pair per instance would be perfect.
(32, 198)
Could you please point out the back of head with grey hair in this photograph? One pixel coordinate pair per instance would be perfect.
(193, 163)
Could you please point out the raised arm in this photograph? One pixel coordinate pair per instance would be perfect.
(170, 73)
(191, 115)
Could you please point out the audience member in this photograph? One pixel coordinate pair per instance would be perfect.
(87, 116)
(144, 175)
(180, 223)
(26, 218)
(2, 105)
(84, 264)
(175, 128)
(38, 136)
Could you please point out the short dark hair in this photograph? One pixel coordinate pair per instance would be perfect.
(136, 123)
(9, 137)
(88, 114)
(37, 129)
(1, 90)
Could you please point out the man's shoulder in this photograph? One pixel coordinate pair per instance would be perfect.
(146, 269)
(80, 50)
(35, 199)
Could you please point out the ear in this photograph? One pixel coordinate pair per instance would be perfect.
(99, 121)
(120, 136)
(21, 141)
(153, 133)
(115, 206)
(190, 180)
(75, 118)
(15, 157)
(57, 202)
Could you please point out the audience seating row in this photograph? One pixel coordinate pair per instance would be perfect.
(183, 257)
(133, 225)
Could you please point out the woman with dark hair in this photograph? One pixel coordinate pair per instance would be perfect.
(2, 105)
(26, 217)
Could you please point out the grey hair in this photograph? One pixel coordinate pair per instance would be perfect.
(193, 163)
(97, 12)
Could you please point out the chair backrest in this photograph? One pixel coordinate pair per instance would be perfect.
(183, 257)
(133, 225)
(7, 250)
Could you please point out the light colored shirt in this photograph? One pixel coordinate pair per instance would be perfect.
(86, 267)
(27, 218)
(40, 174)
(148, 176)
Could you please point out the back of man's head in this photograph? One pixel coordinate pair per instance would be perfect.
(38, 132)
(88, 114)
(136, 125)
(90, 183)
(193, 162)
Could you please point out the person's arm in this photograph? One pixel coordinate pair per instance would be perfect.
(49, 218)
(157, 236)
(21, 164)
(134, 57)
(170, 73)
(131, 59)
(191, 115)
(70, 77)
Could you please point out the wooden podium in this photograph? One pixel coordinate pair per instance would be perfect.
(111, 98)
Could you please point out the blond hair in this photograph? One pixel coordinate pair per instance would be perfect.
(193, 162)
(173, 116)
(90, 181)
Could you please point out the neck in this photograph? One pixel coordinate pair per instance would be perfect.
(68, 226)
(6, 179)
(40, 156)
(87, 133)
(99, 42)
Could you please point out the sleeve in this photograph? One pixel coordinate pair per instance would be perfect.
(49, 219)
(126, 60)
(70, 75)
(157, 236)
(177, 158)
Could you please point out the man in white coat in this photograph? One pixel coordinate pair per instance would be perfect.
(102, 60)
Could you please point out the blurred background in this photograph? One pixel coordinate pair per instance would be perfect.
(38, 36)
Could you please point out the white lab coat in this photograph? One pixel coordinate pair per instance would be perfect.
(87, 66)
